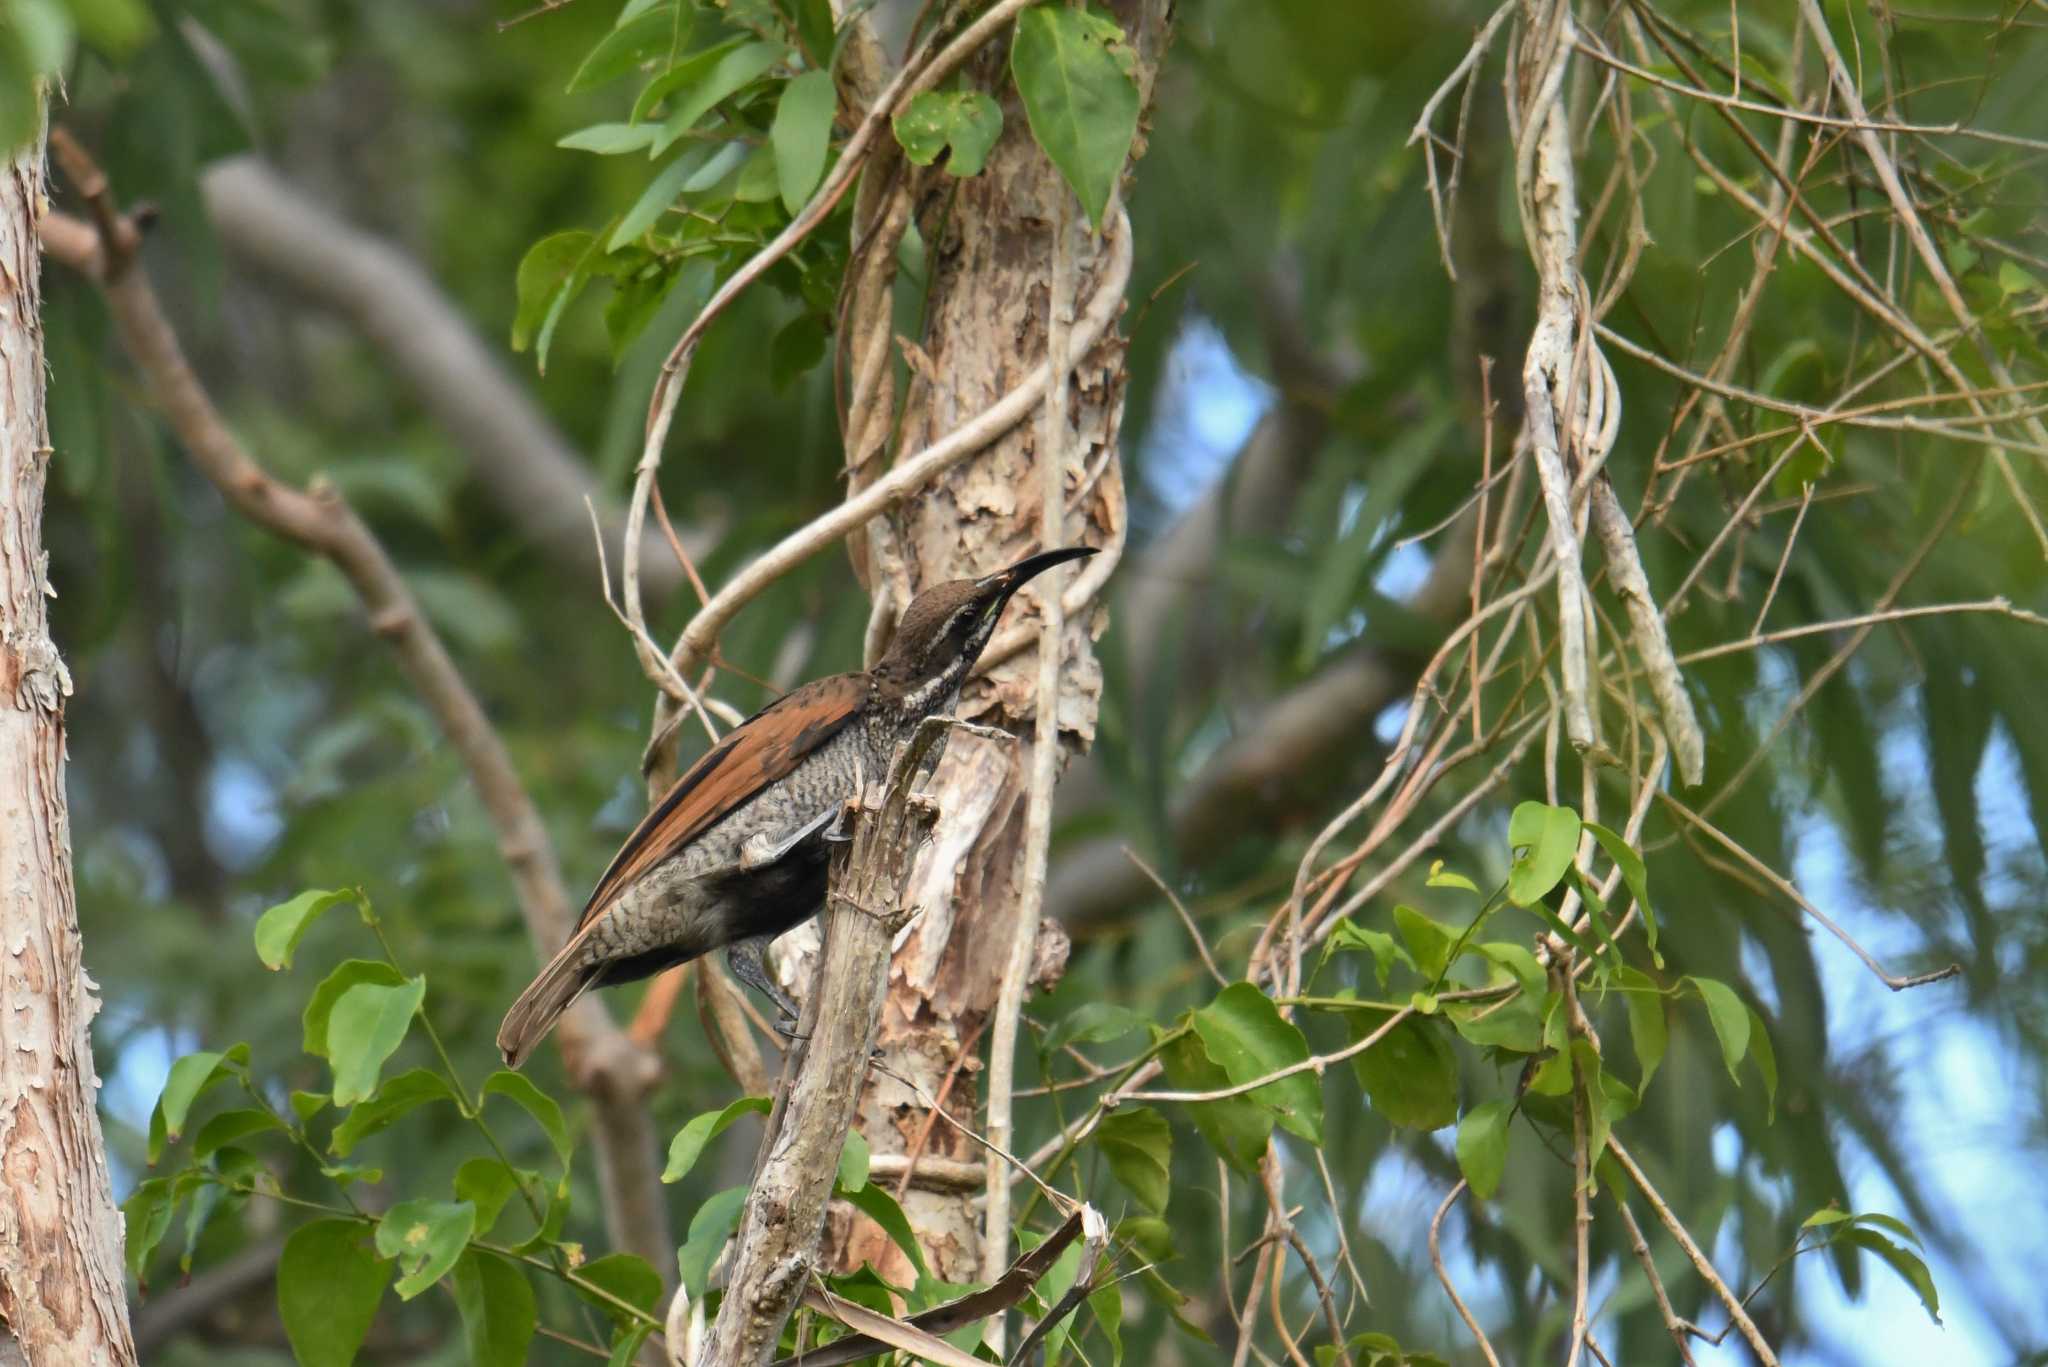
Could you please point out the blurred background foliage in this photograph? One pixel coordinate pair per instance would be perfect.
(238, 735)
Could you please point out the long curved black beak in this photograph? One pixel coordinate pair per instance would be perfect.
(1015, 577)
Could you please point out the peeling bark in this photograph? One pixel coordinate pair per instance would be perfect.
(990, 252)
(62, 1295)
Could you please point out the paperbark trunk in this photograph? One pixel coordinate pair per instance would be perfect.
(62, 1295)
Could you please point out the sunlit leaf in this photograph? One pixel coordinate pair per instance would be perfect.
(1074, 69)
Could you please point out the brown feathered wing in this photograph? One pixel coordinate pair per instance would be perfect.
(765, 747)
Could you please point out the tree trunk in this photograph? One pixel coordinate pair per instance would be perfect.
(990, 248)
(62, 1296)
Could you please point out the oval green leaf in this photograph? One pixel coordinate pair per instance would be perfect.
(1074, 69)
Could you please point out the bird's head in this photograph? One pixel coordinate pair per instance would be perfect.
(945, 628)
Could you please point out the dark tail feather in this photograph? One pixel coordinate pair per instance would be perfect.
(556, 989)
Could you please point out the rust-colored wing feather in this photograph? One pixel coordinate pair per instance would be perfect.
(758, 751)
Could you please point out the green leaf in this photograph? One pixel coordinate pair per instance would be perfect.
(1246, 1036)
(733, 71)
(1074, 69)
(1138, 1143)
(1543, 840)
(1107, 1301)
(426, 1237)
(368, 1023)
(802, 134)
(412, 1088)
(609, 139)
(1635, 875)
(796, 348)
(498, 1310)
(487, 1184)
(306, 1105)
(757, 183)
(146, 1216)
(1645, 1021)
(1347, 934)
(879, 1206)
(520, 1089)
(1411, 1076)
(1440, 877)
(853, 1163)
(1429, 942)
(627, 1342)
(328, 1287)
(1516, 1024)
(1236, 1127)
(710, 1227)
(643, 38)
(279, 930)
(1902, 1261)
(1520, 964)
(627, 1276)
(1766, 1060)
(546, 275)
(229, 1126)
(654, 201)
(1092, 1023)
(190, 1078)
(968, 121)
(1483, 1146)
(2013, 279)
(1730, 1020)
(690, 1141)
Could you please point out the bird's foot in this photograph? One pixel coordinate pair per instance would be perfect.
(744, 958)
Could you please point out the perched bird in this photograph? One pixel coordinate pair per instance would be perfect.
(738, 850)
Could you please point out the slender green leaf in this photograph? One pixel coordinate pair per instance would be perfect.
(690, 1141)
(1635, 875)
(1646, 1026)
(1903, 1261)
(190, 1078)
(547, 273)
(1483, 1146)
(879, 1206)
(732, 72)
(229, 1126)
(1730, 1019)
(710, 1227)
(609, 139)
(802, 134)
(657, 198)
(622, 51)
(519, 1089)
(1766, 1060)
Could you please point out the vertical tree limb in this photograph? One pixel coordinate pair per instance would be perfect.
(62, 1295)
(784, 1219)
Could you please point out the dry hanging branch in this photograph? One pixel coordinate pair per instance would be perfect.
(779, 1233)
(1573, 406)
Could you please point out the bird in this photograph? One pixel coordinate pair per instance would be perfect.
(737, 851)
